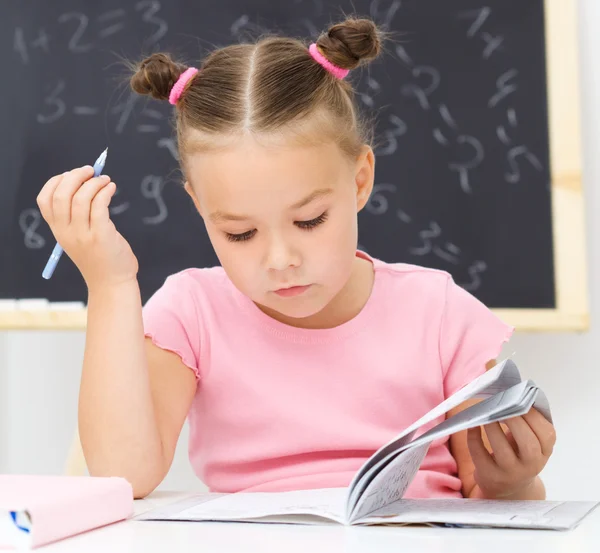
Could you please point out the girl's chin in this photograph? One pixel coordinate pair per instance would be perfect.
(292, 307)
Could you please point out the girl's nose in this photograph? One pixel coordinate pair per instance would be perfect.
(282, 255)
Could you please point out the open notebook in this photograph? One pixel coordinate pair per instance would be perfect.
(375, 493)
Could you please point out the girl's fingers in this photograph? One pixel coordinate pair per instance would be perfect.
(63, 195)
(543, 429)
(44, 198)
(504, 454)
(99, 213)
(82, 200)
(482, 459)
(528, 445)
(510, 438)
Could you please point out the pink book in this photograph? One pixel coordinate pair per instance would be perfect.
(36, 510)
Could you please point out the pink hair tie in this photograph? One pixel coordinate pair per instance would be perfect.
(178, 87)
(336, 71)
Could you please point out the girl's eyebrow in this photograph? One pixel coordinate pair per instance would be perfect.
(319, 193)
(220, 216)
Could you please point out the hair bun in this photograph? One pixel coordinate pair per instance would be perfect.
(156, 75)
(351, 42)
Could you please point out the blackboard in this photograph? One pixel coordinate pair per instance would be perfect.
(463, 165)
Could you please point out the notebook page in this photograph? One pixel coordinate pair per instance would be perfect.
(391, 483)
(499, 378)
(166, 512)
(512, 402)
(495, 409)
(486, 512)
(327, 503)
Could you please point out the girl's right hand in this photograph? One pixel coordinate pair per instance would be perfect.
(75, 205)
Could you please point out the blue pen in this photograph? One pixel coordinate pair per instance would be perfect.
(58, 251)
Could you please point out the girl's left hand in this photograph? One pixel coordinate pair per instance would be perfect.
(519, 455)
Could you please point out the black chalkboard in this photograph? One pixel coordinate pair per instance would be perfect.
(462, 174)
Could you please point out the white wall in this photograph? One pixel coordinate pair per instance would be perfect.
(38, 405)
(39, 372)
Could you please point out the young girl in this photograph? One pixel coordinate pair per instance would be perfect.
(299, 356)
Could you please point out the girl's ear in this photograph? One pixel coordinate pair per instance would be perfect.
(365, 175)
(188, 188)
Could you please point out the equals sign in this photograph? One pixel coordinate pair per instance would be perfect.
(84, 110)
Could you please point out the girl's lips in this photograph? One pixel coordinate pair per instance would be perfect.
(292, 291)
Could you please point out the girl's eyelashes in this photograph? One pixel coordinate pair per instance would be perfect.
(304, 225)
(240, 237)
(308, 225)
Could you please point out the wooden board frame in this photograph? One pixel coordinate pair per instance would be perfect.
(568, 213)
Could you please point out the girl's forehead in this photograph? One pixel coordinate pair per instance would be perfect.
(248, 163)
(251, 180)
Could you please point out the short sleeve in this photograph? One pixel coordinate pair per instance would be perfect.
(470, 336)
(171, 321)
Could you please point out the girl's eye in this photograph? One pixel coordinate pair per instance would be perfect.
(308, 225)
(305, 225)
(240, 237)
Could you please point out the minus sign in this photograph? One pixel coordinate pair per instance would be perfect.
(82, 110)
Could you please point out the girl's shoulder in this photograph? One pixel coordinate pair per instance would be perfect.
(409, 279)
(199, 275)
(192, 286)
(196, 279)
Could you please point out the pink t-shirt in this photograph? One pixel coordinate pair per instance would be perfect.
(282, 408)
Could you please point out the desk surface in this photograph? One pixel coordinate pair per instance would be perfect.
(158, 537)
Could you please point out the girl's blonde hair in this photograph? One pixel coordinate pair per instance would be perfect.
(270, 89)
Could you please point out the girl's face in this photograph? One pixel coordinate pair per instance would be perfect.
(283, 217)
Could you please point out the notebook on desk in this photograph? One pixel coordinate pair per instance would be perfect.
(375, 495)
(326, 506)
(36, 509)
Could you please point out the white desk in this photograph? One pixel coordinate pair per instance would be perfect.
(206, 537)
